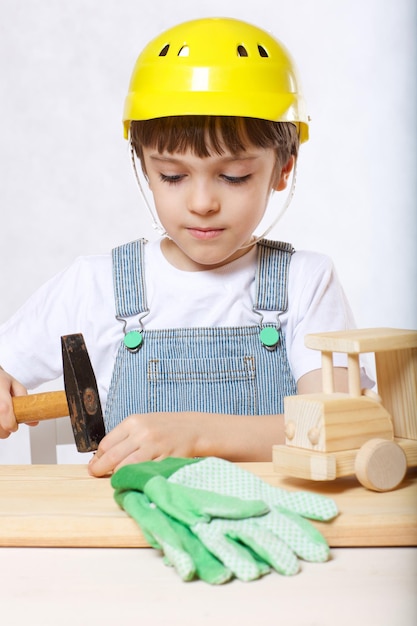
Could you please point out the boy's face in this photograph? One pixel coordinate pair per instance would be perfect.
(210, 206)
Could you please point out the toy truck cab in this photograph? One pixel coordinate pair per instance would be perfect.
(374, 436)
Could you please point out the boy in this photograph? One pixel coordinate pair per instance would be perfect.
(200, 334)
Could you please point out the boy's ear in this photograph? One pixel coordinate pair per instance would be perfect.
(282, 179)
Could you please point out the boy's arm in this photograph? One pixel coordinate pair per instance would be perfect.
(250, 438)
(233, 437)
(312, 382)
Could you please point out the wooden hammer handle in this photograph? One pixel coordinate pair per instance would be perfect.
(40, 406)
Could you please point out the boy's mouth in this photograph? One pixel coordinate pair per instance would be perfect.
(205, 233)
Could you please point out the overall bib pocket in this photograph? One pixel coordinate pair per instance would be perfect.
(223, 385)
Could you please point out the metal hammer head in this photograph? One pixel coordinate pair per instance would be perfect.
(82, 394)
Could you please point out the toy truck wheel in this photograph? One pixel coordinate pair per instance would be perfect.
(380, 465)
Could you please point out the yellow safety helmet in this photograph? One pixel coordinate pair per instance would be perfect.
(216, 66)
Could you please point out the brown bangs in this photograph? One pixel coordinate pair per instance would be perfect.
(205, 135)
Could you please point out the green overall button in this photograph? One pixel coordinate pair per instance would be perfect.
(133, 340)
(269, 336)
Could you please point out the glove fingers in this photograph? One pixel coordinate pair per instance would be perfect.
(223, 477)
(247, 549)
(208, 567)
(298, 534)
(266, 545)
(189, 505)
(180, 560)
(234, 555)
(305, 503)
(139, 511)
(157, 531)
(181, 548)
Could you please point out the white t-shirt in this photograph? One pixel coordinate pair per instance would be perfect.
(81, 299)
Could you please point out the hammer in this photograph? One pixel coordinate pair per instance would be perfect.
(80, 400)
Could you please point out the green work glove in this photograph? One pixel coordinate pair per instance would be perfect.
(181, 549)
(183, 488)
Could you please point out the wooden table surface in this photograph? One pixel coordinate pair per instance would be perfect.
(59, 505)
(62, 506)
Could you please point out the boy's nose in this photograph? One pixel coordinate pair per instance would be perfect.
(203, 200)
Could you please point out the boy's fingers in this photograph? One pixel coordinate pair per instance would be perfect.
(125, 452)
(10, 387)
(8, 422)
(113, 449)
(17, 389)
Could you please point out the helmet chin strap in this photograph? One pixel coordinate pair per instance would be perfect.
(157, 226)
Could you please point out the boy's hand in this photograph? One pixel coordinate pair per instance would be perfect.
(146, 437)
(9, 387)
(155, 436)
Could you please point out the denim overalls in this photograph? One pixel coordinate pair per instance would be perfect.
(215, 370)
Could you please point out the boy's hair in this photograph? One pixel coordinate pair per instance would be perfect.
(205, 134)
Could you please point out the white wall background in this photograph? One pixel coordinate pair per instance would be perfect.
(66, 187)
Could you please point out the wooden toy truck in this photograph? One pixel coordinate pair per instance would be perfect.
(372, 435)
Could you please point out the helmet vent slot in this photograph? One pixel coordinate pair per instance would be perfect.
(262, 51)
(241, 51)
(164, 51)
(184, 51)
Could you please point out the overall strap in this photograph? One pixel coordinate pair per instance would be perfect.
(272, 275)
(129, 279)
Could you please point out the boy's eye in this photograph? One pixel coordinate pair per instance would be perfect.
(236, 180)
(172, 180)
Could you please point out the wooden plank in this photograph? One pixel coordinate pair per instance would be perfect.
(62, 506)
